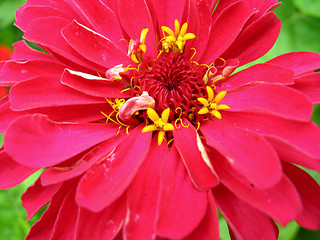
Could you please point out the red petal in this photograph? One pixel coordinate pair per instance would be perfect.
(37, 196)
(281, 201)
(47, 32)
(23, 51)
(102, 18)
(248, 153)
(134, 22)
(106, 181)
(195, 157)
(280, 100)
(225, 29)
(181, 205)
(309, 191)
(165, 14)
(101, 225)
(259, 73)
(299, 62)
(43, 228)
(246, 222)
(93, 85)
(199, 20)
(30, 13)
(64, 227)
(301, 136)
(94, 46)
(309, 84)
(45, 91)
(16, 71)
(35, 141)
(11, 172)
(256, 40)
(55, 174)
(143, 194)
(208, 229)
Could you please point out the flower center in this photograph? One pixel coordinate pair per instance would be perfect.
(172, 81)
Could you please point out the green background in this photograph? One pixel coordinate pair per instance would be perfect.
(300, 32)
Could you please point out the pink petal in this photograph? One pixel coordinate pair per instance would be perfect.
(165, 15)
(64, 227)
(309, 191)
(259, 73)
(181, 205)
(102, 225)
(107, 180)
(256, 40)
(22, 51)
(102, 18)
(37, 196)
(45, 91)
(94, 46)
(225, 29)
(16, 71)
(43, 228)
(208, 229)
(31, 13)
(36, 141)
(299, 62)
(75, 113)
(280, 100)
(143, 194)
(59, 174)
(47, 32)
(301, 136)
(11, 172)
(309, 84)
(195, 157)
(134, 23)
(292, 154)
(281, 201)
(246, 222)
(93, 85)
(248, 153)
(199, 20)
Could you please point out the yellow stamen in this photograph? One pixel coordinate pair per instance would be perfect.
(211, 105)
(159, 124)
(175, 40)
(136, 53)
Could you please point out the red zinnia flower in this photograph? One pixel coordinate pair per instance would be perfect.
(144, 129)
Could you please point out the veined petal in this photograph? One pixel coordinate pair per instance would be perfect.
(248, 153)
(178, 200)
(36, 141)
(107, 180)
(143, 195)
(245, 221)
(195, 157)
(94, 46)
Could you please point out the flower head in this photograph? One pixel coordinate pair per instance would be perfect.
(143, 129)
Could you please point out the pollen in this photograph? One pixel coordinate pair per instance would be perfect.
(211, 105)
(159, 124)
(176, 40)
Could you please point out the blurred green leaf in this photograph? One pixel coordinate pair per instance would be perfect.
(288, 232)
(7, 10)
(309, 7)
(1, 140)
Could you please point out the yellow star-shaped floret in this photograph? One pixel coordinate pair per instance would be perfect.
(176, 40)
(211, 105)
(159, 124)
